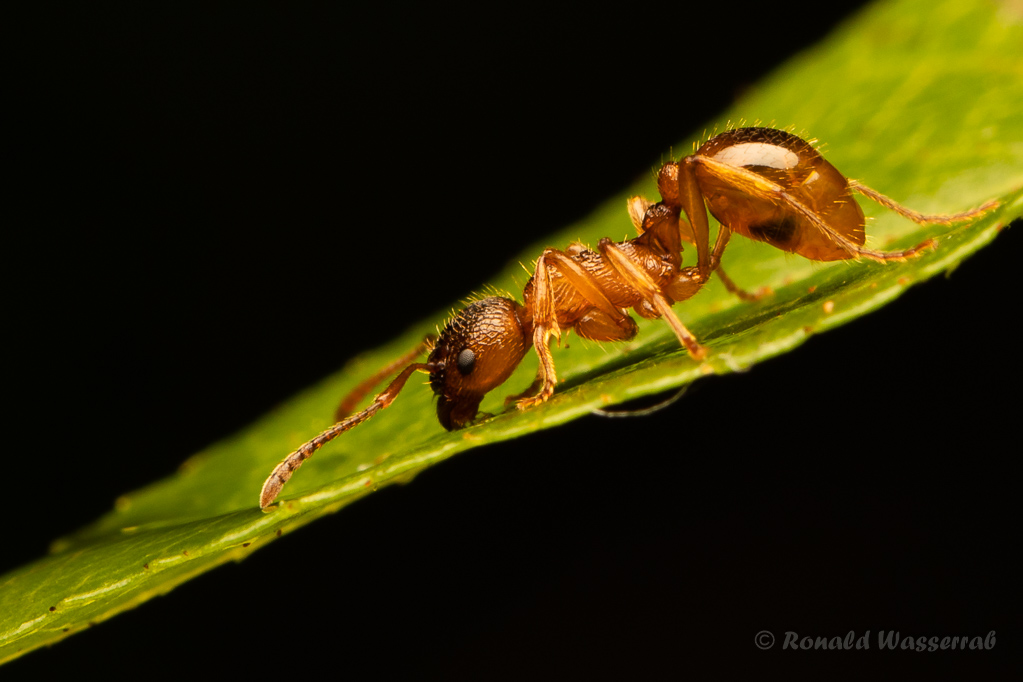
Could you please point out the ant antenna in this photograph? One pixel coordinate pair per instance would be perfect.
(283, 471)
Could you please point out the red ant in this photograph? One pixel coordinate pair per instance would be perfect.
(765, 184)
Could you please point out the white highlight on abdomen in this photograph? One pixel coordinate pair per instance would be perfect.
(757, 154)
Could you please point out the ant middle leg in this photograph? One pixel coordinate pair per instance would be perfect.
(637, 207)
(724, 234)
(680, 187)
(640, 280)
(738, 291)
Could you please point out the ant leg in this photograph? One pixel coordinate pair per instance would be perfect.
(724, 234)
(533, 388)
(595, 325)
(348, 404)
(688, 234)
(283, 471)
(692, 203)
(921, 218)
(637, 278)
(637, 207)
(738, 291)
(545, 321)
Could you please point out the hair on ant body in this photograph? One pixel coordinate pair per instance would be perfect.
(762, 183)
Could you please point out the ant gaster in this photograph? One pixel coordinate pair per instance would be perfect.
(762, 183)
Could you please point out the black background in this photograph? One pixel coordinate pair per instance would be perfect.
(216, 208)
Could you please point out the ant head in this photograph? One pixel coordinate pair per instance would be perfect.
(477, 351)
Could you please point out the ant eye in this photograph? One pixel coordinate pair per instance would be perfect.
(466, 361)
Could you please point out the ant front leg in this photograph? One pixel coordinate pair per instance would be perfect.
(545, 323)
(586, 304)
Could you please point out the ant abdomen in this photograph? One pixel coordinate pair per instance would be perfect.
(793, 164)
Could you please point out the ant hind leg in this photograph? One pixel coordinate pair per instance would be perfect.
(921, 218)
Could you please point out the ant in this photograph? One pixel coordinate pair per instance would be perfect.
(762, 183)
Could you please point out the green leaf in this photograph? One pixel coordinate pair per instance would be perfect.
(934, 119)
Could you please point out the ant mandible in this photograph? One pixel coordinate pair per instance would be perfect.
(762, 183)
